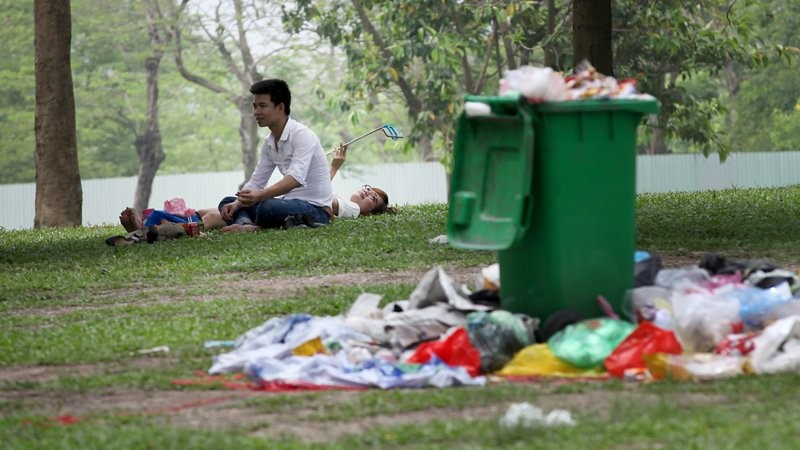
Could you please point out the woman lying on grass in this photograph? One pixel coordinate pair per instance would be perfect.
(364, 202)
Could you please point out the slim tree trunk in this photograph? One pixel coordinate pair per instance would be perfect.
(148, 144)
(426, 149)
(657, 145)
(59, 197)
(591, 34)
(248, 135)
(550, 59)
(733, 89)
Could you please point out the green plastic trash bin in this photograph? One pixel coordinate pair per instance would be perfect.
(552, 188)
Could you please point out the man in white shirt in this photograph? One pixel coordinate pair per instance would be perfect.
(295, 150)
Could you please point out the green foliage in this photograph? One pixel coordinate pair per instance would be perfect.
(199, 128)
(109, 85)
(421, 51)
(785, 132)
(680, 44)
(412, 71)
(761, 109)
(766, 110)
(418, 52)
(110, 44)
(17, 101)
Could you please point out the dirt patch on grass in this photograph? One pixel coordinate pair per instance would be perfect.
(303, 416)
(276, 287)
(256, 286)
(45, 373)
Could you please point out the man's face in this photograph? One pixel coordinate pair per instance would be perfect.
(265, 112)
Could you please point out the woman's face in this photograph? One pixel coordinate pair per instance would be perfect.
(367, 200)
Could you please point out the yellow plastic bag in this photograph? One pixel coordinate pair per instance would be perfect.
(310, 348)
(538, 359)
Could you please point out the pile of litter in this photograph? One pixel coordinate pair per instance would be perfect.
(543, 84)
(443, 335)
(714, 320)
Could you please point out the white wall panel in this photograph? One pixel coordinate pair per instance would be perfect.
(406, 183)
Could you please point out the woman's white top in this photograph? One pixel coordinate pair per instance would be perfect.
(347, 209)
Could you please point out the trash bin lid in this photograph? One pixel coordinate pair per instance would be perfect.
(489, 200)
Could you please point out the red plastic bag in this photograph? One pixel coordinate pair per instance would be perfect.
(645, 339)
(455, 349)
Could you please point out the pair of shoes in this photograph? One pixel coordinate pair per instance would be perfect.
(118, 240)
(301, 221)
(134, 237)
(294, 222)
(165, 232)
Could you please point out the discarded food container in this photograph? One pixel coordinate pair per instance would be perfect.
(193, 229)
(552, 188)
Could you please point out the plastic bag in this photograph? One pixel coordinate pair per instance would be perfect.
(499, 335)
(588, 343)
(178, 207)
(777, 348)
(539, 360)
(645, 339)
(646, 269)
(696, 367)
(650, 303)
(673, 278)
(454, 348)
(756, 303)
(703, 320)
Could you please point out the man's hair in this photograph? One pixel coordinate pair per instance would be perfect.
(277, 90)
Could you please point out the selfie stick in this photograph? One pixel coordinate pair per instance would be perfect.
(388, 130)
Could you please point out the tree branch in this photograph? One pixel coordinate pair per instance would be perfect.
(464, 61)
(502, 29)
(175, 32)
(244, 46)
(485, 68)
(414, 103)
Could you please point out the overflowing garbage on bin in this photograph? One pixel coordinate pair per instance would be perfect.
(713, 320)
(543, 84)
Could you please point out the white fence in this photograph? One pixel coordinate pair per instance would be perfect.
(104, 199)
(406, 184)
(695, 172)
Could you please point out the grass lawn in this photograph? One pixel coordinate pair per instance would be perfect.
(75, 314)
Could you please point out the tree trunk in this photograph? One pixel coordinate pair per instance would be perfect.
(503, 31)
(425, 147)
(148, 145)
(657, 145)
(733, 89)
(591, 34)
(59, 197)
(248, 136)
(550, 59)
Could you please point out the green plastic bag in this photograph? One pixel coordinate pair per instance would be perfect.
(499, 335)
(586, 344)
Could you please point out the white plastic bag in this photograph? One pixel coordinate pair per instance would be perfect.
(701, 320)
(777, 348)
